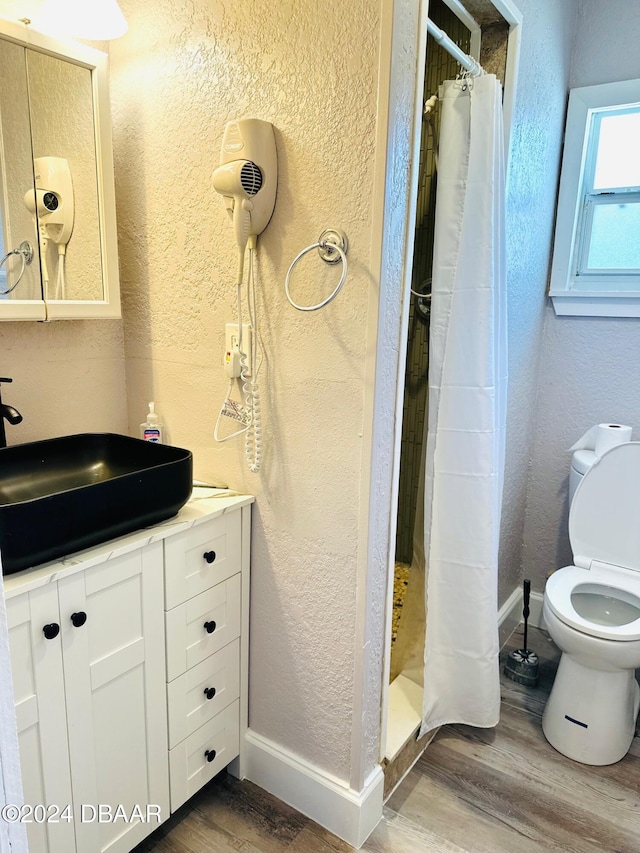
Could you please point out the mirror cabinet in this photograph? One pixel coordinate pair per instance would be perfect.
(58, 243)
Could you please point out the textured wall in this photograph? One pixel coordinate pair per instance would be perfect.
(68, 377)
(531, 190)
(588, 370)
(178, 76)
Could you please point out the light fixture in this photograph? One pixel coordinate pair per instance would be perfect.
(96, 20)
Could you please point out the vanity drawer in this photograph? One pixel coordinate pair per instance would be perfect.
(190, 766)
(201, 557)
(202, 626)
(190, 707)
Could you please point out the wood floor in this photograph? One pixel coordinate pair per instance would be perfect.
(473, 791)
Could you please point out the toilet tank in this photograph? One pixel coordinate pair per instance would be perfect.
(581, 462)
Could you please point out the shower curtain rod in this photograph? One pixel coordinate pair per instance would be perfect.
(467, 62)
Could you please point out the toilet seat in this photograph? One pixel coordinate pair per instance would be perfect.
(562, 584)
(605, 539)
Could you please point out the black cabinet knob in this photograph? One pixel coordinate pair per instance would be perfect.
(209, 556)
(51, 631)
(210, 754)
(210, 626)
(209, 692)
(78, 618)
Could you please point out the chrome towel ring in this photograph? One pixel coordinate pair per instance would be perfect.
(332, 247)
(26, 254)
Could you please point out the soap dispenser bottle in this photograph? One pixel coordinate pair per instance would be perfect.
(151, 429)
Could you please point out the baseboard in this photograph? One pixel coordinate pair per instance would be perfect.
(535, 608)
(510, 614)
(349, 814)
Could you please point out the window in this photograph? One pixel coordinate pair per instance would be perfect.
(596, 257)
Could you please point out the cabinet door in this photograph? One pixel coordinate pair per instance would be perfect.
(40, 710)
(116, 707)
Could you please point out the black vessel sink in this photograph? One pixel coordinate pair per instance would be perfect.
(64, 494)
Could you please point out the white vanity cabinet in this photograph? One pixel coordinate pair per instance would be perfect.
(88, 663)
(130, 671)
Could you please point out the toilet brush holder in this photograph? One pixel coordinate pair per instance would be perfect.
(522, 665)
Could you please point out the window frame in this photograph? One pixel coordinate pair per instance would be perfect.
(595, 293)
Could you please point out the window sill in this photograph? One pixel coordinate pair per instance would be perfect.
(588, 305)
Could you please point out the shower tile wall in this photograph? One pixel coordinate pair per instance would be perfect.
(440, 67)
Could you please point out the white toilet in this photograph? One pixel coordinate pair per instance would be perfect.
(592, 612)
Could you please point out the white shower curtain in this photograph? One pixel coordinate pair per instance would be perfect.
(467, 411)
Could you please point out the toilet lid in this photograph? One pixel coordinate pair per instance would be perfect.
(605, 511)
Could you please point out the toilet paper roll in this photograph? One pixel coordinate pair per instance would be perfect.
(603, 437)
(611, 435)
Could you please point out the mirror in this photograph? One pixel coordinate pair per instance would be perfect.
(57, 205)
(16, 175)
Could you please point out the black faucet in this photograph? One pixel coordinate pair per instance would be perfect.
(7, 413)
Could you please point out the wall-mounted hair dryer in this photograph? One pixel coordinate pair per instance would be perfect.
(247, 179)
(52, 198)
(51, 203)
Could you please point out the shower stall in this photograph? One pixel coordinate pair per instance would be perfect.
(451, 474)
(440, 66)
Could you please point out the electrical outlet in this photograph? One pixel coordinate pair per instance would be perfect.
(232, 340)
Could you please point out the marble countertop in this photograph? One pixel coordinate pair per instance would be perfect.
(204, 504)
